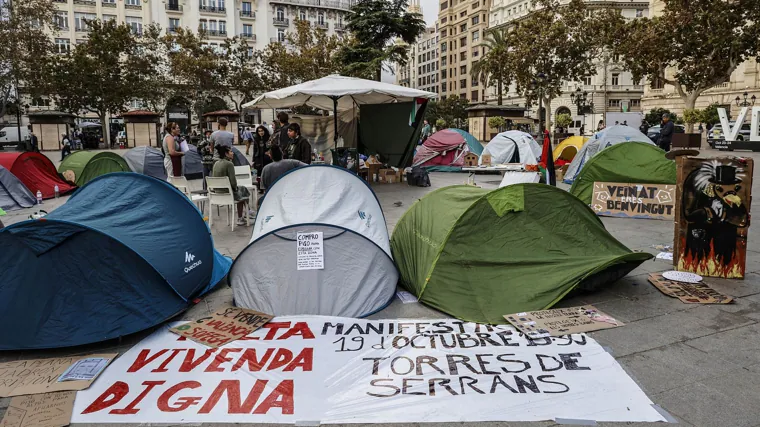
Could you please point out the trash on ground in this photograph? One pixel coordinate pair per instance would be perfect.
(668, 256)
(406, 297)
(682, 276)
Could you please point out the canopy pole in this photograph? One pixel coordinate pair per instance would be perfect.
(335, 120)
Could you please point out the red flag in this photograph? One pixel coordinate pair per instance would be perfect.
(547, 159)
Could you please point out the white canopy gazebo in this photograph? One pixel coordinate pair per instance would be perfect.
(337, 93)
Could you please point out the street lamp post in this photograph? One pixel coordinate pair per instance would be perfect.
(745, 102)
(581, 101)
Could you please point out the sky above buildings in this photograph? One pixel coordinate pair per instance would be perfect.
(430, 12)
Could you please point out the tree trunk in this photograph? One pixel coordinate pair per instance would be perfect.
(379, 74)
(105, 128)
(689, 101)
(499, 87)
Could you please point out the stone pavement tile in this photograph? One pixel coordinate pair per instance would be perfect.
(631, 338)
(693, 323)
(633, 285)
(728, 399)
(672, 366)
(747, 307)
(643, 306)
(741, 346)
(736, 287)
(752, 264)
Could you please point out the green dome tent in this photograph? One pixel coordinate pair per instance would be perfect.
(630, 163)
(88, 165)
(478, 255)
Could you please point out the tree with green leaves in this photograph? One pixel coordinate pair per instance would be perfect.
(245, 72)
(198, 71)
(551, 46)
(374, 26)
(25, 49)
(452, 110)
(497, 123)
(104, 73)
(494, 66)
(711, 116)
(564, 120)
(307, 54)
(693, 45)
(654, 116)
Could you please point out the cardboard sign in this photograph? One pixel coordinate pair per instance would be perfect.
(651, 201)
(338, 370)
(84, 369)
(713, 215)
(561, 321)
(485, 159)
(689, 293)
(41, 375)
(310, 254)
(227, 325)
(40, 410)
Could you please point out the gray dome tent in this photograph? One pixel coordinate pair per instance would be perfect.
(358, 276)
(13, 193)
(193, 166)
(147, 161)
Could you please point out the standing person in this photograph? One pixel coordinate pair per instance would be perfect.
(644, 128)
(666, 132)
(65, 146)
(425, 134)
(273, 171)
(600, 126)
(206, 150)
(280, 135)
(701, 129)
(299, 147)
(260, 139)
(223, 136)
(582, 130)
(34, 141)
(170, 146)
(248, 139)
(225, 167)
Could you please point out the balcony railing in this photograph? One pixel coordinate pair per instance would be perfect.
(60, 1)
(213, 9)
(277, 40)
(108, 4)
(85, 2)
(217, 33)
(173, 7)
(248, 36)
(133, 6)
(328, 4)
(280, 22)
(248, 14)
(82, 29)
(322, 25)
(339, 26)
(171, 30)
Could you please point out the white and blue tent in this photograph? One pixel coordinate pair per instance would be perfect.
(125, 253)
(359, 276)
(605, 138)
(512, 146)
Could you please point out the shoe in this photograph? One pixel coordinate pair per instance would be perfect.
(241, 221)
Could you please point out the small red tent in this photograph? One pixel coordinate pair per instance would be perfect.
(36, 171)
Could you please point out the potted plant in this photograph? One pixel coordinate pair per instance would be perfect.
(691, 116)
(497, 123)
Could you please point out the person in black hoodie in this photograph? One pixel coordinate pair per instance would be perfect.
(260, 139)
(299, 147)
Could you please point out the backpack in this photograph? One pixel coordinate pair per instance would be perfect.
(418, 177)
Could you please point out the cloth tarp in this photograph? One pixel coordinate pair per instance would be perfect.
(13, 194)
(631, 163)
(320, 130)
(384, 129)
(477, 254)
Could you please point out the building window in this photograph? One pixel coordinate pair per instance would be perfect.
(107, 18)
(475, 35)
(639, 13)
(616, 58)
(419, 81)
(463, 28)
(462, 56)
(301, 15)
(134, 23)
(321, 18)
(474, 82)
(476, 5)
(221, 5)
(249, 52)
(476, 20)
(635, 103)
(615, 79)
(463, 42)
(212, 26)
(62, 19)
(463, 84)
(247, 8)
(443, 48)
(173, 24)
(281, 35)
(443, 61)
(443, 88)
(247, 30)
(587, 80)
(40, 102)
(280, 14)
(132, 2)
(657, 83)
(463, 70)
(462, 14)
(474, 96)
(614, 103)
(202, 25)
(222, 27)
(62, 45)
(81, 20)
(444, 5)
(475, 53)
(443, 74)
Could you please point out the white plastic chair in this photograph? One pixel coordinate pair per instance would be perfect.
(221, 198)
(245, 179)
(181, 183)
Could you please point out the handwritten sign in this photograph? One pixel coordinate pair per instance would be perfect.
(561, 321)
(310, 255)
(41, 375)
(652, 201)
(225, 326)
(689, 293)
(40, 410)
(84, 369)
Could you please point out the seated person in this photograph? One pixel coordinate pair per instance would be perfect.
(225, 167)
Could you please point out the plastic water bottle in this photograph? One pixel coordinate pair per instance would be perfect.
(39, 197)
(57, 191)
(254, 174)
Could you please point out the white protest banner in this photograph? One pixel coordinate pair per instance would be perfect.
(341, 370)
(310, 254)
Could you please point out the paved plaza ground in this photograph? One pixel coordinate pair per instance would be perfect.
(699, 362)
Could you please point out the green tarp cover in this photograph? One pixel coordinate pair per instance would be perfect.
(384, 129)
(630, 163)
(88, 165)
(478, 255)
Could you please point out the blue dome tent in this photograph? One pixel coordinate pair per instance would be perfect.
(125, 253)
